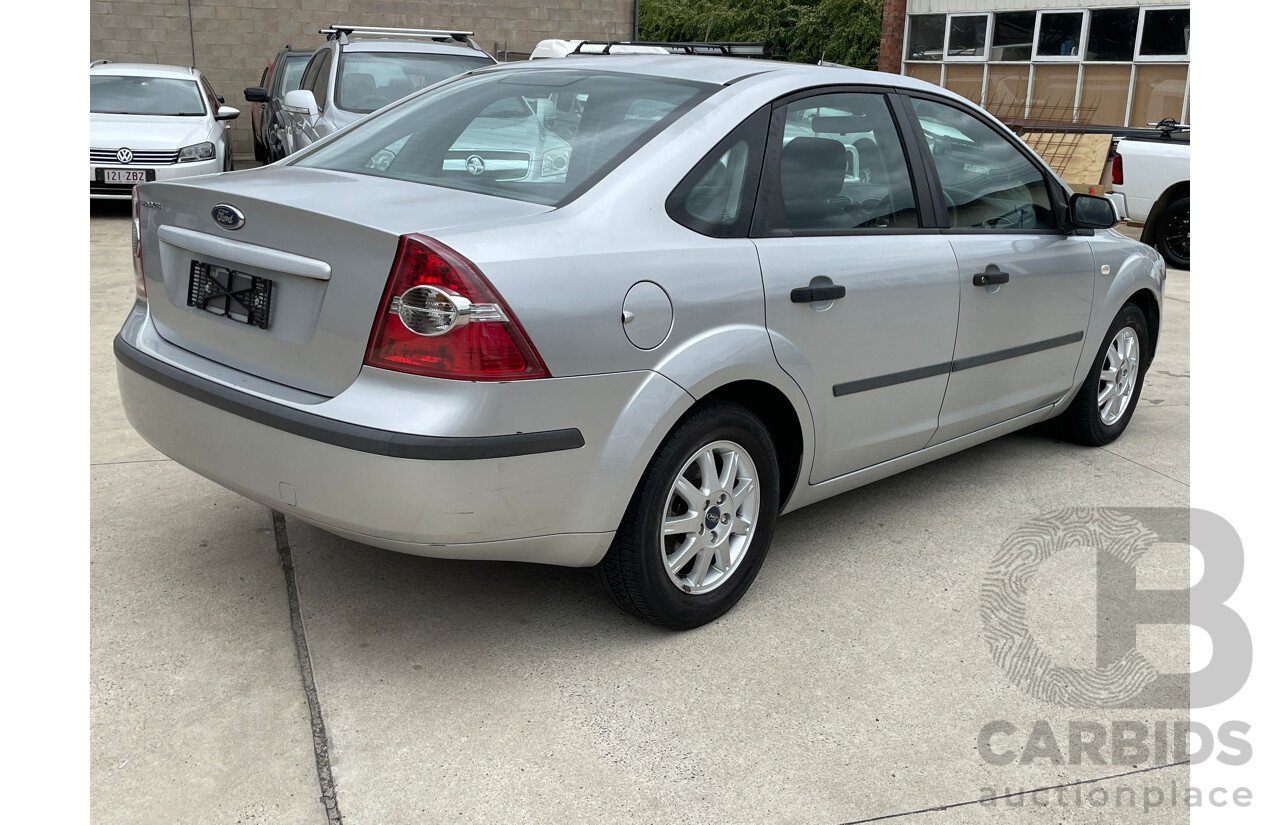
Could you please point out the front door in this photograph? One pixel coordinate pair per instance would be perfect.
(861, 302)
(1026, 286)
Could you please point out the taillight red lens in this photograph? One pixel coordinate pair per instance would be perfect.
(1117, 170)
(487, 344)
(139, 281)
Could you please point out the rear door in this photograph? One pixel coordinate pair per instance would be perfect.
(1026, 286)
(861, 296)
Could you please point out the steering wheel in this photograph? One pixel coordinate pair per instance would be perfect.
(372, 102)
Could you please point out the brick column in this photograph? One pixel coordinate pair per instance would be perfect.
(893, 23)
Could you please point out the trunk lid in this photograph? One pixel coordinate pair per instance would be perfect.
(324, 240)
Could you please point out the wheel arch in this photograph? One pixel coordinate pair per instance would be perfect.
(1146, 301)
(779, 416)
(1181, 189)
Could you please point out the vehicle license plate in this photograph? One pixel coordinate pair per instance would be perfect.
(127, 175)
(236, 295)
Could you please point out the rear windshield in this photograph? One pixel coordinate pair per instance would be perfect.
(370, 80)
(124, 95)
(543, 136)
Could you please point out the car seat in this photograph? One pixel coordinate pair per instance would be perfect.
(812, 174)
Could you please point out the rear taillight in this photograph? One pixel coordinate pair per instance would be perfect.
(139, 282)
(441, 317)
(1117, 170)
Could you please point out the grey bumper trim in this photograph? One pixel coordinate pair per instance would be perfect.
(340, 433)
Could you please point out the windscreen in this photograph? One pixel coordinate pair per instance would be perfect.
(124, 95)
(543, 136)
(370, 80)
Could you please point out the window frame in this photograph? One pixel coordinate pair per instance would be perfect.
(766, 221)
(1139, 57)
(947, 57)
(1085, 18)
(1034, 24)
(906, 37)
(1084, 55)
(755, 131)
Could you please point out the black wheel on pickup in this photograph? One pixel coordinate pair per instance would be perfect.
(1173, 233)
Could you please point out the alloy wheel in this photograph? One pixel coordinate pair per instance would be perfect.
(710, 517)
(1119, 376)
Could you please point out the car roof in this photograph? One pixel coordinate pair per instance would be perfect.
(404, 46)
(145, 70)
(722, 70)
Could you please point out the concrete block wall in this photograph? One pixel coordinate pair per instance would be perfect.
(234, 40)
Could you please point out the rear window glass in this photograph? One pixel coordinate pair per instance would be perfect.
(370, 80)
(124, 95)
(543, 136)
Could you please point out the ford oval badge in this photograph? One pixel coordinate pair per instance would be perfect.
(227, 216)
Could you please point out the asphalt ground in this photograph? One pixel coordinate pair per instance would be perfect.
(249, 668)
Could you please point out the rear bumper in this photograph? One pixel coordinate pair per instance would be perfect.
(551, 495)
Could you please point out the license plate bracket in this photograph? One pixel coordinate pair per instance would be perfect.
(229, 293)
(125, 175)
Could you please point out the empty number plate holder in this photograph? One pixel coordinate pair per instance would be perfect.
(236, 295)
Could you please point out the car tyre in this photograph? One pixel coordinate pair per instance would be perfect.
(1102, 408)
(1173, 234)
(699, 524)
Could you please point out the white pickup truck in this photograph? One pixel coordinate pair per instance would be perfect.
(1151, 183)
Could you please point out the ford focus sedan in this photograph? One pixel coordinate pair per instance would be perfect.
(751, 287)
(149, 122)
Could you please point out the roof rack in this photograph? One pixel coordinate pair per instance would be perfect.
(757, 48)
(1169, 127)
(339, 30)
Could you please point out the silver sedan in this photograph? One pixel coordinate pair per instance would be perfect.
(735, 289)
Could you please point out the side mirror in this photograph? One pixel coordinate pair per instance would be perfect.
(227, 113)
(301, 102)
(256, 94)
(1092, 212)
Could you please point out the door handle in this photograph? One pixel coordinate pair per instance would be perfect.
(991, 277)
(813, 294)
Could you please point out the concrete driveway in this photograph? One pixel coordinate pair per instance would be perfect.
(248, 669)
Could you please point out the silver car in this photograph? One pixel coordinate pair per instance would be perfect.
(637, 362)
(358, 71)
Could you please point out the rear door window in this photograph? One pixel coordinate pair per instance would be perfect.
(840, 167)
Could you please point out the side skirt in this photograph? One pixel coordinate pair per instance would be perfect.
(851, 481)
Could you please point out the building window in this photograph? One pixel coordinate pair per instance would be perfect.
(1013, 35)
(967, 36)
(1060, 35)
(1166, 33)
(924, 41)
(1112, 34)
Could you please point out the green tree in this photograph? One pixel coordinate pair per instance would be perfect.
(841, 31)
